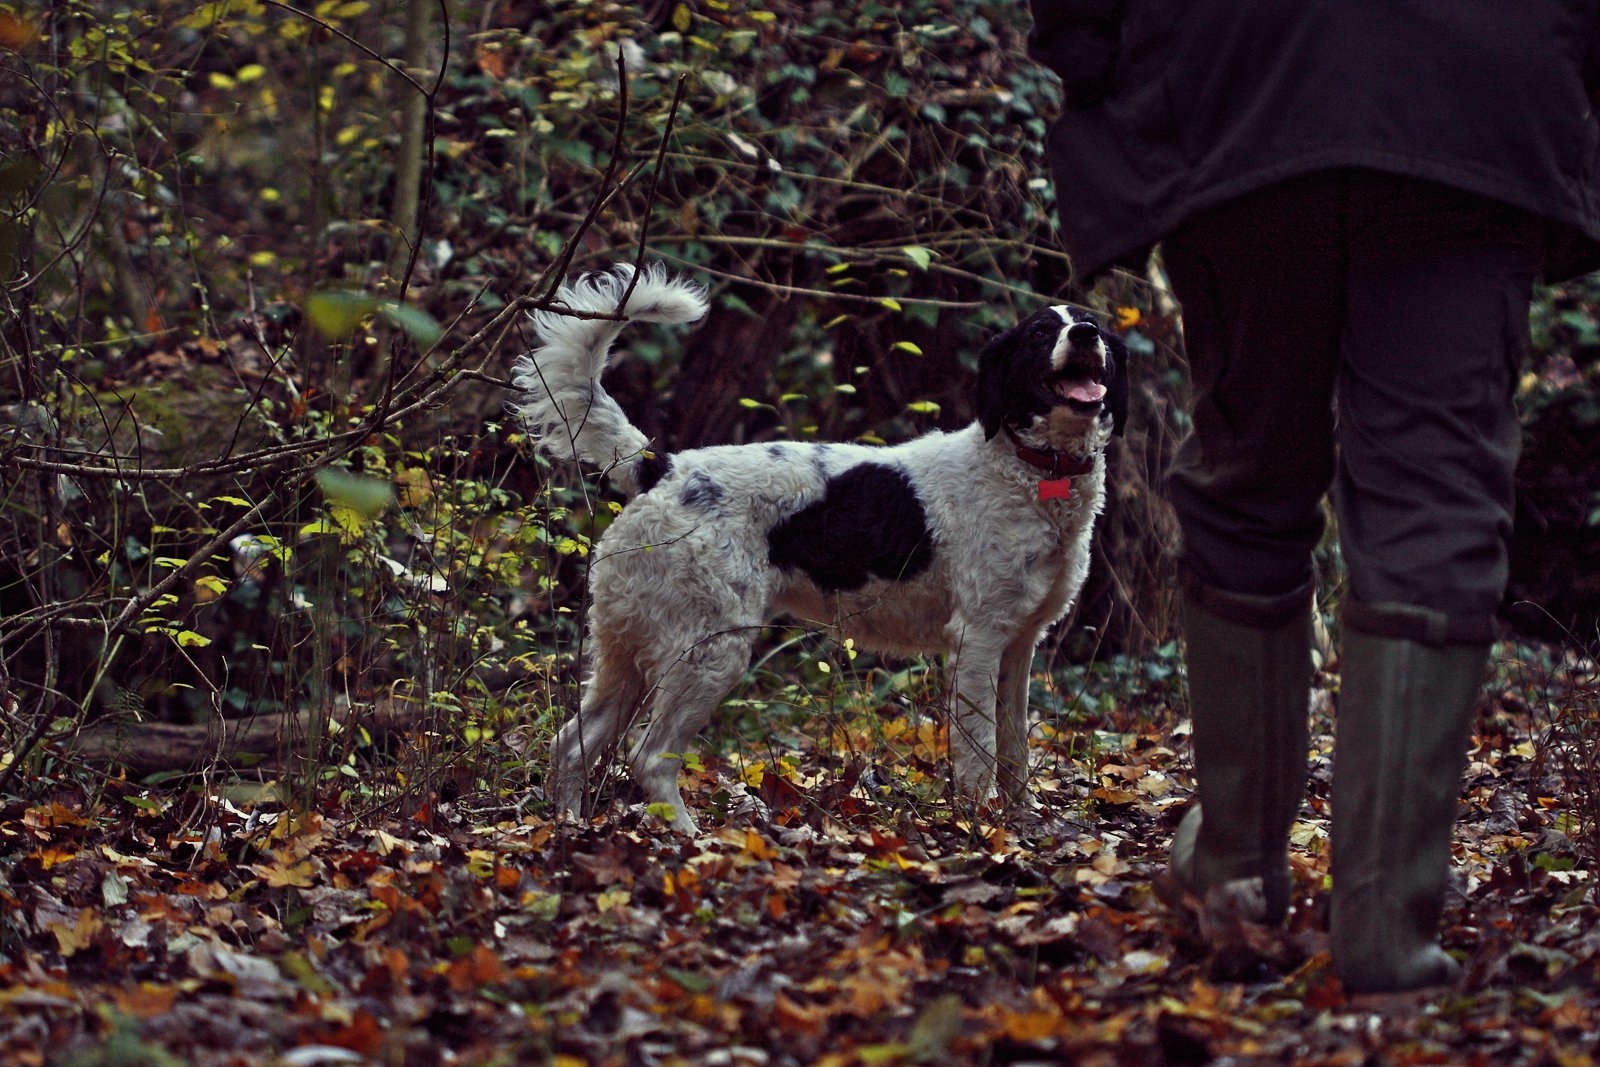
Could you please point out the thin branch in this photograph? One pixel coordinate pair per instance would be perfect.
(557, 272)
(655, 186)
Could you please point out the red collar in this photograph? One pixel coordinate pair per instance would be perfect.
(1055, 464)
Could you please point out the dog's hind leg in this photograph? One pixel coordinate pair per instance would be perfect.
(610, 702)
(684, 699)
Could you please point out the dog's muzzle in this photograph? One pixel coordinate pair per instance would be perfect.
(1079, 382)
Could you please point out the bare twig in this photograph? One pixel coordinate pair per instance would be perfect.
(655, 186)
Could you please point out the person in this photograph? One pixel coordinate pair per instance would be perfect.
(1353, 202)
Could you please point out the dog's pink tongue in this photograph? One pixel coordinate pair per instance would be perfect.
(1087, 391)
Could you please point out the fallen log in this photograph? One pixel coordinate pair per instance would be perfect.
(262, 742)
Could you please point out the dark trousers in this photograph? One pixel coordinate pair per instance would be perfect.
(1360, 332)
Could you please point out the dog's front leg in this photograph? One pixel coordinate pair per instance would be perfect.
(1011, 717)
(972, 712)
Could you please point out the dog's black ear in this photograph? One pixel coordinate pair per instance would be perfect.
(992, 366)
(1117, 382)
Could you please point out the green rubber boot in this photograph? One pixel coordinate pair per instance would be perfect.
(1249, 661)
(1409, 685)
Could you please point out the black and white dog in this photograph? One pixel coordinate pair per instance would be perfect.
(970, 543)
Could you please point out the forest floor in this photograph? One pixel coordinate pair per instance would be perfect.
(824, 917)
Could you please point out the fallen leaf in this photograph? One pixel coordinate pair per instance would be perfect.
(80, 935)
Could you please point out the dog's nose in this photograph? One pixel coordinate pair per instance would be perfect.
(1083, 333)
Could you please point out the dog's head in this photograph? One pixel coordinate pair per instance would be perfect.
(1055, 378)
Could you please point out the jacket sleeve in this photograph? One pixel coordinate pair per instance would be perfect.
(1080, 41)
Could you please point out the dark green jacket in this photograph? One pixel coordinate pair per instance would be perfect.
(1174, 106)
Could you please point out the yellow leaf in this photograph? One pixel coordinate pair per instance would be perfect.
(335, 315)
(279, 875)
(208, 589)
(387, 843)
(680, 18)
(81, 935)
(611, 899)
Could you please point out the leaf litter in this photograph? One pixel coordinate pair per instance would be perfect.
(832, 920)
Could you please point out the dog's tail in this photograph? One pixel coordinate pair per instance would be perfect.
(562, 405)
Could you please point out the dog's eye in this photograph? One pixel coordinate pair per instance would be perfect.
(1043, 329)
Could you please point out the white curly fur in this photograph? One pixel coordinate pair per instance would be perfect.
(562, 405)
(682, 581)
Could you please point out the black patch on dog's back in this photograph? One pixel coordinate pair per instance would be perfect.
(869, 524)
(700, 492)
(652, 469)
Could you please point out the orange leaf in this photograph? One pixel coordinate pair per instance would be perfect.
(1031, 1025)
(757, 846)
(361, 1034)
(146, 1001)
(50, 857)
(14, 32)
(493, 63)
(478, 968)
(803, 1018)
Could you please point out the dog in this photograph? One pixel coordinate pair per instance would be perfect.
(969, 543)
